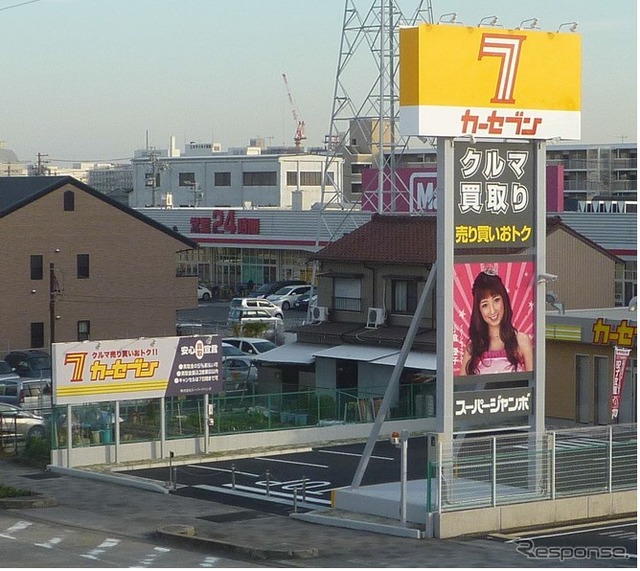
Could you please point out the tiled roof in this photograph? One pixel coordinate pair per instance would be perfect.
(412, 240)
(403, 239)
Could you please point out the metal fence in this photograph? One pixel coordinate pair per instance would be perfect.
(487, 471)
(235, 411)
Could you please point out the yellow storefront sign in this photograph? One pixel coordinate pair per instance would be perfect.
(489, 82)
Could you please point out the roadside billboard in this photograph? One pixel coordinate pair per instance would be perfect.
(128, 369)
(460, 81)
(493, 318)
(495, 192)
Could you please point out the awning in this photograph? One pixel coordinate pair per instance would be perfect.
(415, 360)
(357, 352)
(294, 353)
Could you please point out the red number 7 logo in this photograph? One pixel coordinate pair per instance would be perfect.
(508, 49)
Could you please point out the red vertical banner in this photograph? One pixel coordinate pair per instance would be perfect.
(619, 368)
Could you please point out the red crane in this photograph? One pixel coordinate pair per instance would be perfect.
(299, 135)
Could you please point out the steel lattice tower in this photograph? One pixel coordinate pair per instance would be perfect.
(368, 48)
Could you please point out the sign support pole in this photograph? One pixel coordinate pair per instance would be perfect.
(444, 299)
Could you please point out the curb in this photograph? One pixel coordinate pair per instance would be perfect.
(22, 502)
(186, 534)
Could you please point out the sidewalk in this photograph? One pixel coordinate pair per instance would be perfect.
(238, 532)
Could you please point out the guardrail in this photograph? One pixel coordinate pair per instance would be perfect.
(487, 471)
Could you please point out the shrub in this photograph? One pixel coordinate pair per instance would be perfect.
(11, 492)
(37, 452)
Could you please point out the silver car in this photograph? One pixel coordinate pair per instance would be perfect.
(15, 421)
(250, 345)
(256, 303)
(286, 297)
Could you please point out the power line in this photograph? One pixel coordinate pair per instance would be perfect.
(18, 5)
(91, 160)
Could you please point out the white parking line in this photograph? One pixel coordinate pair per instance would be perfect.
(290, 462)
(252, 492)
(354, 454)
(228, 470)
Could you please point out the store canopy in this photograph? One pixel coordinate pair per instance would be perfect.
(357, 352)
(415, 360)
(294, 353)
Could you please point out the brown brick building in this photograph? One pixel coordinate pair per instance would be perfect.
(78, 265)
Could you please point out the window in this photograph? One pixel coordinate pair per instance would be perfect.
(151, 181)
(265, 178)
(405, 296)
(69, 199)
(37, 335)
(186, 179)
(222, 179)
(346, 294)
(84, 330)
(36, 267)
(83, 266)
(307, 178)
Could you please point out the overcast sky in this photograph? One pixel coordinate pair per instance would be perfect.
(88, 79)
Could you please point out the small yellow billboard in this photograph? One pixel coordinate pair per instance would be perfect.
(459, 81)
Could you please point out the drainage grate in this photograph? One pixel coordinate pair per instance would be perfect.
(42, 476)
(234, 516)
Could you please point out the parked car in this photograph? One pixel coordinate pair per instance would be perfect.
(250, 345)
(33, 363)
(238, 316)
(15, 420)
(256, 303)
(286, 296)
(229, 350)
(7, 372)
(25, 393)
(204, 293)
(267, 289)
(302, 303)
(239, 374)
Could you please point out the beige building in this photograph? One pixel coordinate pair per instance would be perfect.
(579, 264)
(581, 357)
(77, 265)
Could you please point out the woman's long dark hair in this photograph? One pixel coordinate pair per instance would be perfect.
(486, 285)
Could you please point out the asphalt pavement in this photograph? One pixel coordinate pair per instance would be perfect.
(119, 505)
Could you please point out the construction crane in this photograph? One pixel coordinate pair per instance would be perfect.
(299, 135)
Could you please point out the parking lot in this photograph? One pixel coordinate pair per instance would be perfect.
(211, 317)
(306, 478)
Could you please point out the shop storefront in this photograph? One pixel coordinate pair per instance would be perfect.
(592, 366)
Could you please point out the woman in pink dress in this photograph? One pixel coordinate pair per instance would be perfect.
(495, 345)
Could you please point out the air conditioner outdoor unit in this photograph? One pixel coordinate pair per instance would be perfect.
(319, 314)
(375, 317)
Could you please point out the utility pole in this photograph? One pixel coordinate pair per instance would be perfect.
(156, 169)
(53, 288)
(41, 163)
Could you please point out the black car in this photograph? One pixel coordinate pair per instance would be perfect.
(302, 303)
(272, 287)
(33, 363)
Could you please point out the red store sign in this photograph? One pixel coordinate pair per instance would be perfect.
(222, 222)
